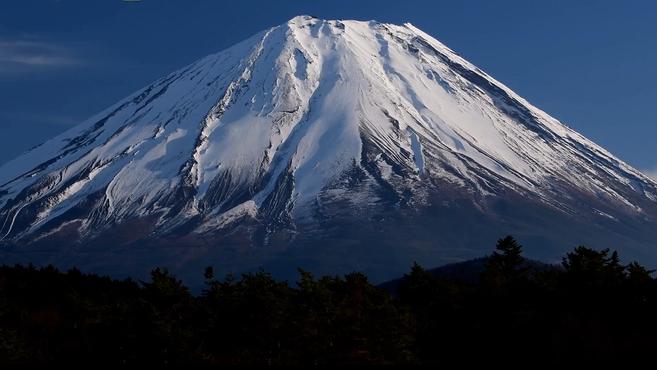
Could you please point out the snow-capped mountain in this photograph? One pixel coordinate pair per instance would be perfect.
(360, 145)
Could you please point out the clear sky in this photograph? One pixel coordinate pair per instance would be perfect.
(591, 64)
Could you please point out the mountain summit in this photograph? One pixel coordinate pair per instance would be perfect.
(332, 145)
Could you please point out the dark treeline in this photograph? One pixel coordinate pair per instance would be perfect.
(591, 309)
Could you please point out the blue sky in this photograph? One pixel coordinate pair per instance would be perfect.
(591, 64)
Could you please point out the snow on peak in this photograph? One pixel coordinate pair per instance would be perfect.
(280, 117)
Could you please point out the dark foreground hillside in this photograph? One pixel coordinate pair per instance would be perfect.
(592, 309)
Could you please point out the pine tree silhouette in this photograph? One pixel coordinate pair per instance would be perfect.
(506, 264)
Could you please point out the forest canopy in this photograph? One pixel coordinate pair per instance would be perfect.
(590, 308)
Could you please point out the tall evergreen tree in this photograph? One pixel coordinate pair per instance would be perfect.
(506, 265)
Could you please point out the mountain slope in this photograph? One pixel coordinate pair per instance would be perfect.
(287, 139)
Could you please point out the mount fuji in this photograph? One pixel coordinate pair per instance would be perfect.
(323, 144)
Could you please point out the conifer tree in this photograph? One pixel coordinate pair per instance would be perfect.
(588, 267)
(506, 264)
